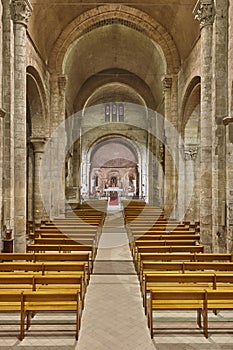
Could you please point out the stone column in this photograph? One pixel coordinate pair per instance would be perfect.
(228, 122)
(2, 115)
(58, 145)
(191, 155)
(153, 160)
(220, 110)
(204, 13)
(169, 190)
(8, 105)
(38, 147)
(21, 10)
(62, 79)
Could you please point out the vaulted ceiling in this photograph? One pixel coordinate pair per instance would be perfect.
(114, 47)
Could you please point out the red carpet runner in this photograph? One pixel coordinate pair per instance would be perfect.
(113, 200)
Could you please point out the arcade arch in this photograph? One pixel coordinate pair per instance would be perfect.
(113, 161)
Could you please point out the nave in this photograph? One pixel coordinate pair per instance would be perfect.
(113, 314)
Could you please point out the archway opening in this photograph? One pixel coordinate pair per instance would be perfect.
(113, 168)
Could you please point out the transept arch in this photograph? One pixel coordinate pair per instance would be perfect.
(107, 15)
(120, 76)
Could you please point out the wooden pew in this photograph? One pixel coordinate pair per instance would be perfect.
(66, 241)
(41, 248)
(165, 249)
(176, 281)
(12, 301)
(186, 257)
(47, 283)
(174, 300)
(79, 268)
(25, 302)
(160, 243)
(54, 301)
(163, 243)
(165, 237)
(166, 257)
(73, 236)
(76, 257)
(183, 267)
(16, 256)
(201, 301)
(157, 227)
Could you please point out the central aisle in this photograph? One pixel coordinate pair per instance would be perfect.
(113, 317)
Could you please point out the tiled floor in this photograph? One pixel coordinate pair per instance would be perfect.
(113, 317)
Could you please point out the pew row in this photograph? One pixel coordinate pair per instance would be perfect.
(27, 302)
(200, 301)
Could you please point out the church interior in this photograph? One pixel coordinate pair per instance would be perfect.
(116, 174)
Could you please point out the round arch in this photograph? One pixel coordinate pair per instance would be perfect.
(190, 100)
(36, 103)
(129, 163)
(107, 15)
(134, 94)
(121, 76)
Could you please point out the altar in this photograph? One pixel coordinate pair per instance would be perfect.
(114, 195)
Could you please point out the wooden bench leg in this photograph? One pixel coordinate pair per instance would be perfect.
(205, 322)
(199, 318)
(150, 319)
(28, 320)
(22, 318)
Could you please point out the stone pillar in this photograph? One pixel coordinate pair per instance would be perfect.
(58, 145)
(169, 169)
(38, 147)
(2, 115)
(21, 10)
(228, 122)
(204, 13)
(220, 110)
(8, 105)
(191, 156)
(62, 145)
(153, 160)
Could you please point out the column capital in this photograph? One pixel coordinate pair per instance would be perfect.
(38, 144)
(204, 12)
(21, 11)
(227, 120)
(2, 113)
(167, 82)
(190, 152)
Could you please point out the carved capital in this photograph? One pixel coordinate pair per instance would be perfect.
(38, 144)
(167, 83)
(21, 11)
(161, 153)
(2, 113)
(227, 120)
(190, 152)
(204, 12)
